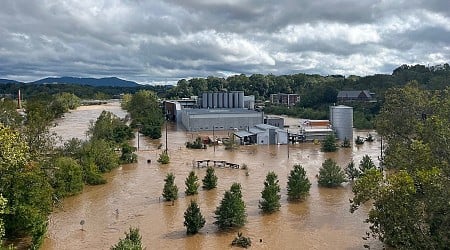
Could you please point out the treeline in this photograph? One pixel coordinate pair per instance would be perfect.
(35, 174)
(318, 92)
(29, 90)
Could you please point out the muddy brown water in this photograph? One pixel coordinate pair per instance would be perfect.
(131, 198)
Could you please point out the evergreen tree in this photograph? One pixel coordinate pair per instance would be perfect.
(329, 144)
(231, 211)
(193, 218)
(351, 171)
(170, 192)
(210, 180)
(365, 164)
(298, 184)
(191, 184)
(330, 174)
(164, 158)
(132, 241)
(271, 194)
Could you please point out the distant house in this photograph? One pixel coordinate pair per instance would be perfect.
(285, 99)
(355, 95)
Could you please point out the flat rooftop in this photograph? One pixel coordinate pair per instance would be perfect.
(218, 111)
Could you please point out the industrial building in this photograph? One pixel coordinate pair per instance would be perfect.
(276, 121)
(227, 100)
(262, 134)
(285, 99)
(312, 130)
(220, 119)
(341, 118)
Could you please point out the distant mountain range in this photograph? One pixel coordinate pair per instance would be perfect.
(107, 81)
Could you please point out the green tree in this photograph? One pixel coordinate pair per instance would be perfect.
(298, 184)
(128, 155)
(271, 194)
(132, 241)
(8, 113)
(410, 203)
(329, 144)
(210, 179)
(170, 192)
(101, 153)
(111, 128)
(68, 177)
(193, 218)
(351, 171)
(3, 202)
(25, 187)
(231, 211)
(330, 174)
(365, 164)
(191, 184)
(164, 157)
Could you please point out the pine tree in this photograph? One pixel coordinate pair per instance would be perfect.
(365, 164)
(271, 194)
(231, 211)
(330, 174)
(191, 184)
(329, 144)
(351, 171)
(170, 192)
(193, 218)
(132, 241)
(210, 180)
(298, 184)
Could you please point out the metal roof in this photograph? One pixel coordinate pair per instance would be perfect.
(243, 133)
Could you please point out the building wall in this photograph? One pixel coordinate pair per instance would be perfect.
(225, 121)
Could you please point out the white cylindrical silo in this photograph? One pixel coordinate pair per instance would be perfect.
(230, 100)
(220, 100)
(241, 99)
(204, 100)
(210, 101)
(236, 99)
(341, 118)
(225, 100)
(215, 100)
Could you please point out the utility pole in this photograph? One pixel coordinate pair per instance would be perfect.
(166, 133)
(214, 141)
(288, 143)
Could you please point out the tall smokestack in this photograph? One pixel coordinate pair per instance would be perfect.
(19, 105)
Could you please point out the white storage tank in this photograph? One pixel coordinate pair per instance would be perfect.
(210, 100)
(205, 100)
(220, 100)
(341, 118)
(241, 99)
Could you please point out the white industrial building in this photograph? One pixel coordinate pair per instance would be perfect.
(220, 119)
(262, 134)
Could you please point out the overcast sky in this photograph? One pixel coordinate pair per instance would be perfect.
(153, 41)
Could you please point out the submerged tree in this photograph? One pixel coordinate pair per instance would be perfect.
(191, 184)
(298, 184)
(193, 218)
(330, 174)
(329, 144)
(351, 171)
(210, 180)
(170, 192)
(231, 211)
(164, 158)
(365, 164)
(132, 241)
(271, 194)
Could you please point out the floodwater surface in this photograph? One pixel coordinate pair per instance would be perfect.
(132, 197)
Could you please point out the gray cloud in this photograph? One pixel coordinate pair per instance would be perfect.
(163, 41)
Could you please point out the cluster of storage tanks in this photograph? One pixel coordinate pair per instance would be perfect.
(233, 99)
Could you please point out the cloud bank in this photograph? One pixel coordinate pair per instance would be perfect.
(164, 41)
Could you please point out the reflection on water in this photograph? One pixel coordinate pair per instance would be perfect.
(321, 221)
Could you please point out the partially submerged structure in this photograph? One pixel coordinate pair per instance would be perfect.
(262, 134)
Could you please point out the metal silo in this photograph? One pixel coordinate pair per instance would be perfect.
(230, 100)
(204, 100)
(210, 101)
(215, 100)
(236, 99)
(341, 118)
(220, 100)
(241, 99)
(225, 100)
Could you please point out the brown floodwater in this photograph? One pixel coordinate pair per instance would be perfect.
(131, 198)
